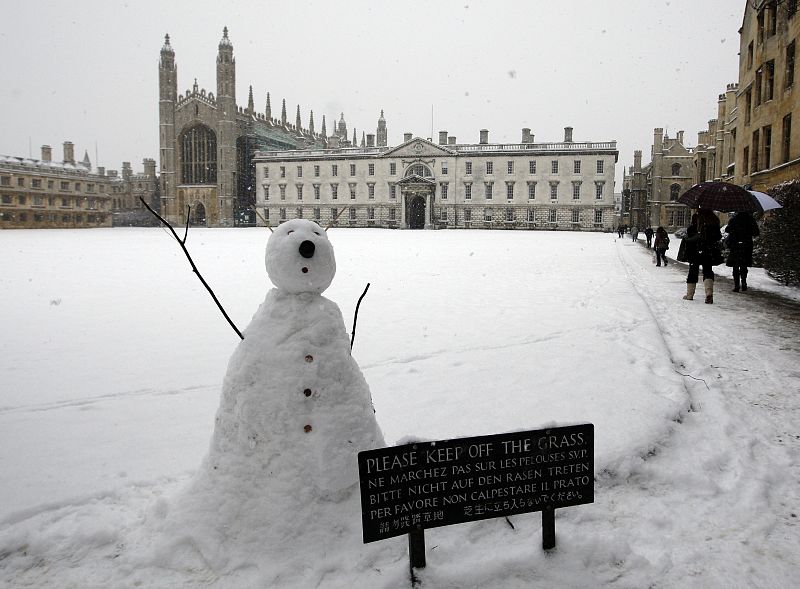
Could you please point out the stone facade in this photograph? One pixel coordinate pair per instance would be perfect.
(420, 184)
(207, 143)
(126, 205)
(767, 126)
(46, 194)
(715, 154)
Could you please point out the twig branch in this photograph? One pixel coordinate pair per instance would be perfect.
(336, 218)
(355, 317)
(188, 219)
(694, 377)
(260, 216)
(194, 268)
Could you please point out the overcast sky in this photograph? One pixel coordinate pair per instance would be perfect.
(87, 71)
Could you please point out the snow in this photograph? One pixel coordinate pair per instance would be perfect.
(114, 373)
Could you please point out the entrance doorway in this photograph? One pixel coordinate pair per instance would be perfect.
(416, 217)
(198, 215)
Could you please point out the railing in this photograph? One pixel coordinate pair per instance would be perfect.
(536, 146)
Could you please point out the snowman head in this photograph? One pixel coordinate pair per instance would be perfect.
(300, 257)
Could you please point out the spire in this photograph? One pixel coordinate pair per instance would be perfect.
(250, 105)
(225, 42)
(311, 123)
(324, 131)
(167, 48)
(355, 138)
(283, 113)
(87, 163)
(363, 139)
(381, 136)
(297, 123)
(268, 111)
(195, 88)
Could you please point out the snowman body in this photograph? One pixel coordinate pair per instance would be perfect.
(282, 467)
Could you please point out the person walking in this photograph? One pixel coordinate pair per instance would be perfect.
(702, 250)
(661, 245)
(648, 234)
(741, 230)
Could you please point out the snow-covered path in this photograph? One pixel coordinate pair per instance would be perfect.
(462, 333)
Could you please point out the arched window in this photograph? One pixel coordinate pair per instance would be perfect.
(676, 169)
(674, 191)
(198, 156)
(419, 170)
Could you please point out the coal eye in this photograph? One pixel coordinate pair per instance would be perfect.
(290, 231)
(316, 232)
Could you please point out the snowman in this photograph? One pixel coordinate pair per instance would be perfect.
(280, 481)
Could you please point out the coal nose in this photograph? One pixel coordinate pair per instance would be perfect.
(307, 249)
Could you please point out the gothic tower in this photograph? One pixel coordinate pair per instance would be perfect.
(167, 96)
(226, 129)
(381, 135)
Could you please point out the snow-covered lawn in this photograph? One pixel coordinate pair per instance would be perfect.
(113, 356)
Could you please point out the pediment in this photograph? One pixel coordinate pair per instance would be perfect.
(418, 147)
(417, 179)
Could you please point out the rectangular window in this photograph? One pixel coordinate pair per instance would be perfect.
(283, 191)
(509, 215)
(64, 185)
(7, 199)
(531, 216)
(576, 167)
(760, 20)
(769, 80)
(21, 199)
(352, 191)
(598, 190)
(576, 215)
(334, 215)
(371, 191)
(266, 191)
(750, 56)
(298, 213)
(316, 191)
(532, 167)
(90, 188)
(487, 215)
(554, 167)
(600, 166)
(467, 191)
(468, 215)
(576, 190)
(266, 171)
(392, 191)
(767, 137)
(759, 76)
(299, 192)
(316, 175)
(21, 182)
(283, 171)
(553, 191)
(748, 105)
(443, 190)
(371, 169)
(598, 216)
(510, 190)
(352, 213)
(299, 171)
(488, 190)
(746, 161)
(64, 202)
(756, 148)
(317, 213)
(772, 23)
(510, 165)
(552, 215)
(393, 169)
(392, 214)
(5, 180)
(352, 169)
(444, 168)
(531, 190)
(468, 168)
(334, 170)
(490, 167)
(36, 183)
(443, 215)
(787, 138)
(334, 191)
(371, 213)
(283, 214)
(789, 75)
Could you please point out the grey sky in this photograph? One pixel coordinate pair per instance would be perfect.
(87, 71)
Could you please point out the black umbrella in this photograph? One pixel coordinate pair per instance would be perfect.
(719, 196)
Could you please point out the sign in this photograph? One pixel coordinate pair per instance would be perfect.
(430, 484)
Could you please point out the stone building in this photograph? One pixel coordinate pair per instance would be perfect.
(42, 193)
(207, 143)
(715, 153)
(420, 184)
(767, 142)
(126, 205)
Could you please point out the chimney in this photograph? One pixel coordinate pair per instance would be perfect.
(407, 137)
(47, 153)
(126, 171)
(484, 136)
(526, 135)
(637, 161)
(442, 137)
(451, 140)
(149, 167)
(680, 137)
(370, 140)
(69, 152)
(567, 134)
(101, 170)
(112, 173)
(658, 139)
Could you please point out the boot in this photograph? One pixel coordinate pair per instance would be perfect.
(744, 281)
(708, 284)
(690, 288)
(735, 284)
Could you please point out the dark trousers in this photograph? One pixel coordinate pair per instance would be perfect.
(661, 254)
(739, 275)
(694, 272)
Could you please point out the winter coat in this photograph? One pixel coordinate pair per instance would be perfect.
(703, 241)
(741, 230)
(661, 242)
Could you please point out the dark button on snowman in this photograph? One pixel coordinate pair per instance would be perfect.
(294, 413)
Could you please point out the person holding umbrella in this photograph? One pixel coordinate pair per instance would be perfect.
(702, 248)
(741, 230)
